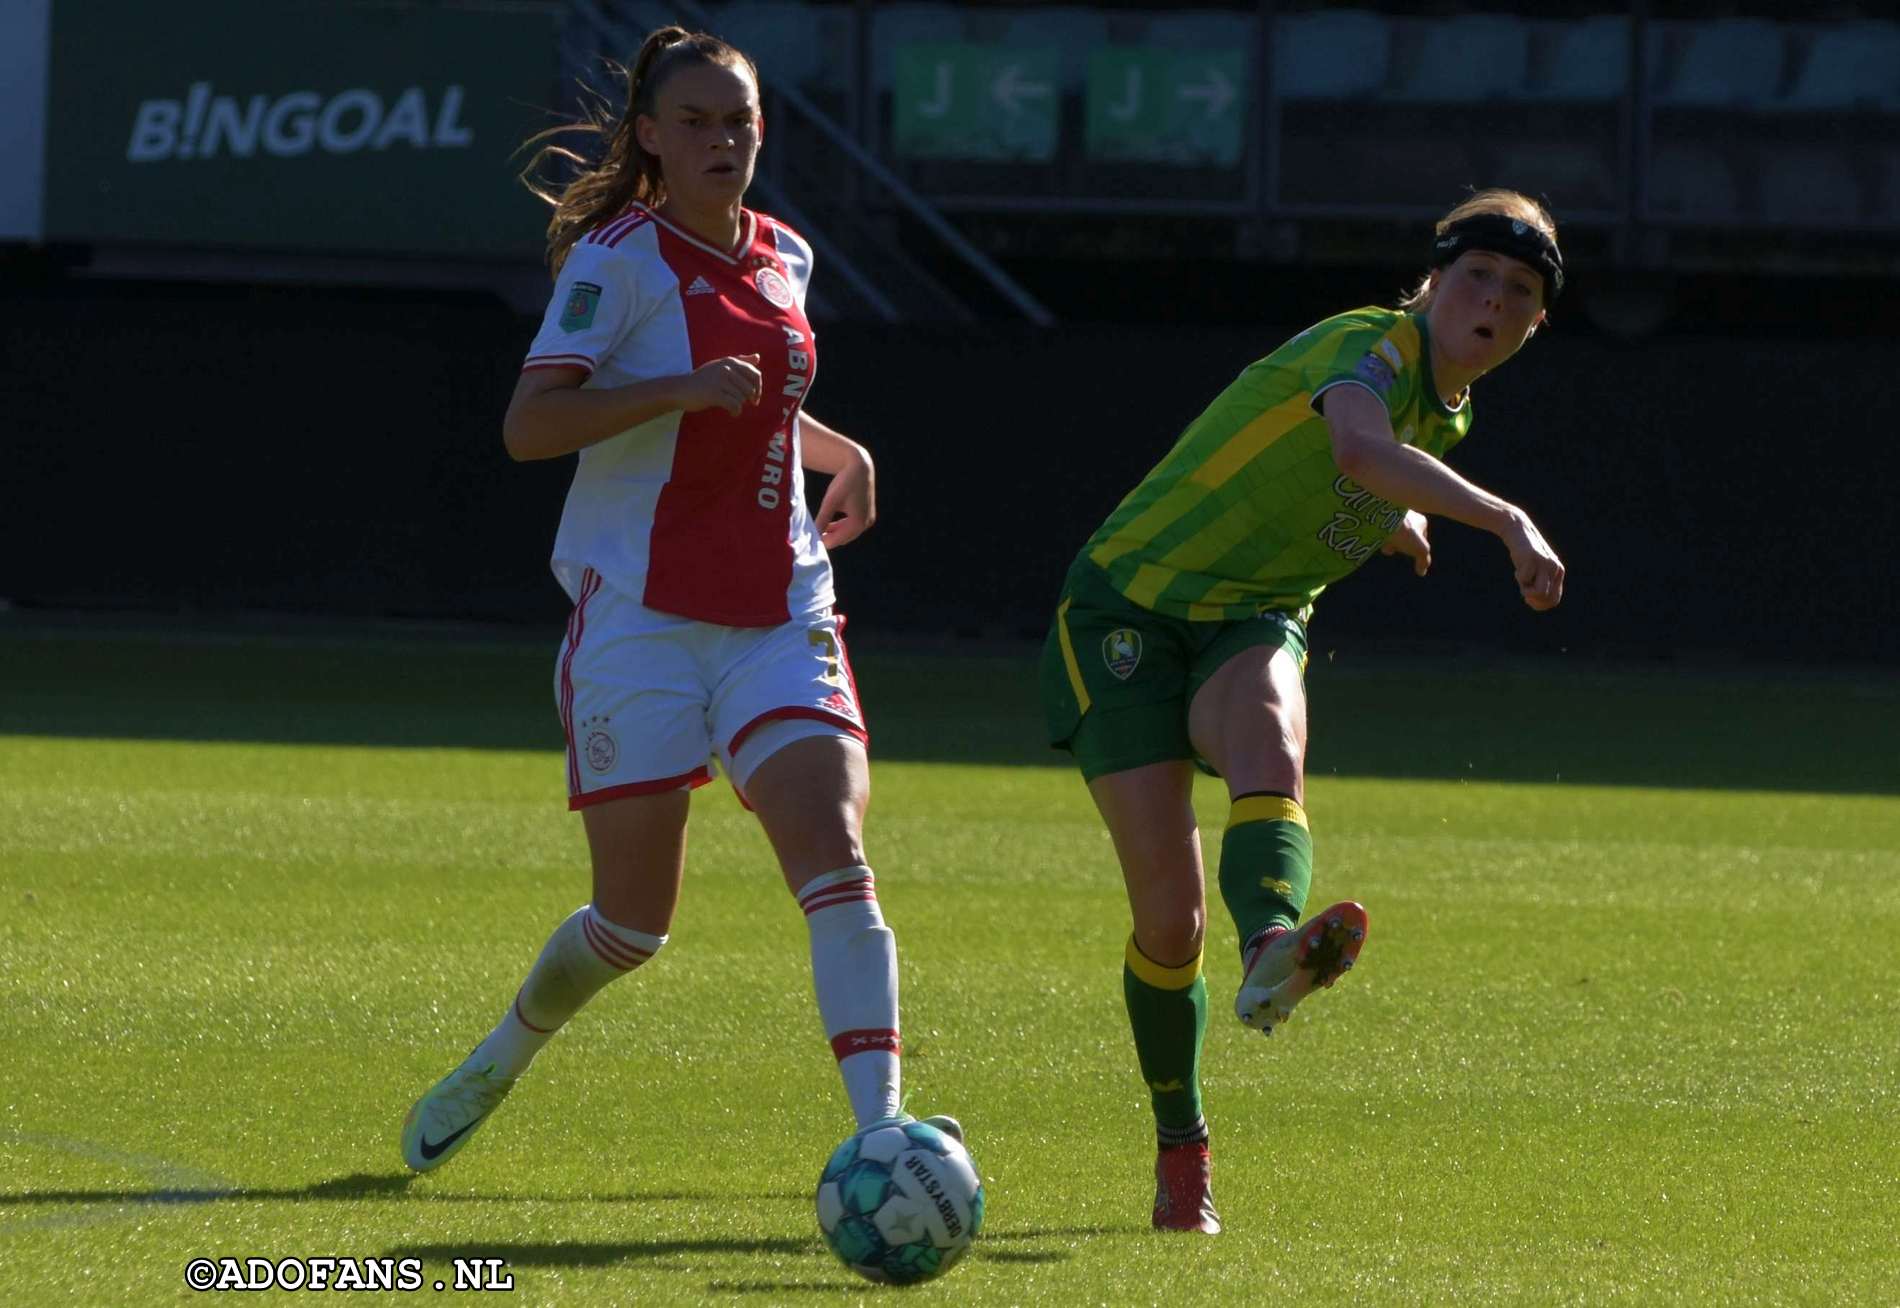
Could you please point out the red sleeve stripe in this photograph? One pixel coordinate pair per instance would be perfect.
(599, 234)
(613, 951)
(614, 232)
(580, 361)
(869, 1040)
(620, 232)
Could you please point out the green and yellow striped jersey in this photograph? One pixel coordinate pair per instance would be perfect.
(1248, 511)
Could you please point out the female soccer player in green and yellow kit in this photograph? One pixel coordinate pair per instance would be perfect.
(1180, 634)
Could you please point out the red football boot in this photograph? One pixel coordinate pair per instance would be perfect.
(1184, 1190)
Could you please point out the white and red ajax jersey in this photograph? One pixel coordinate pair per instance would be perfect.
(697, 514)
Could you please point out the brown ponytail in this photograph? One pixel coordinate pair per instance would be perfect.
(624, 173)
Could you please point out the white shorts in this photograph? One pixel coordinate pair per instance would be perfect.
(648, 699)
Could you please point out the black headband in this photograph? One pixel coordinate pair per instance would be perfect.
(1507, 236)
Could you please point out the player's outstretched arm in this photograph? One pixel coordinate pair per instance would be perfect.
(551, 414)
(850, 504)
(1366, 450)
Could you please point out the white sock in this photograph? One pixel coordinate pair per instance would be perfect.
(584, 954)
(854, 970)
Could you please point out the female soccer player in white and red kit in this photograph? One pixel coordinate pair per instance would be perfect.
(675, 357)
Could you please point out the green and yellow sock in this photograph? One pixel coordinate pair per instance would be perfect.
(1167, 1008)
(1266, 864)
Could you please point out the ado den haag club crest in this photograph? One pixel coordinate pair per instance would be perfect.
(1121, 651)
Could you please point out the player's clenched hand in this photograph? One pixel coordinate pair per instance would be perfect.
(1411, 541)
(1540, 573)
(850, 504)
(730, 383)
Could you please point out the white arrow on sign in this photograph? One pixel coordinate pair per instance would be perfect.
(1010, 90)
(1130, 104)
(939, 104)
(1216, 92)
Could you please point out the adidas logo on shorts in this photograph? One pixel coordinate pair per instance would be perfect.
(700, 286)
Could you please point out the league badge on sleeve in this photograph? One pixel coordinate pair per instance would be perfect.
(1121, 651)
(1375, 372)
(578, 313)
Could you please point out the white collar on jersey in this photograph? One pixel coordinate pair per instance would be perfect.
(747, 232)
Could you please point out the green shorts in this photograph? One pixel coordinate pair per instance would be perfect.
(1117, 679)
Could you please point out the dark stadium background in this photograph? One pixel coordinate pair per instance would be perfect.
(274, 385)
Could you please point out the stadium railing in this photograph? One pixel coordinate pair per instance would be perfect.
(1288, 112)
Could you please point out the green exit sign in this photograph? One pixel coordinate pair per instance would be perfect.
(975, 102)
(1167, 106)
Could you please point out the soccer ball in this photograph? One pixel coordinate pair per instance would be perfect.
(900, 1202)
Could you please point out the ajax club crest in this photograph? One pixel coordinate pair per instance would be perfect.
(599, 747)
(773, 287)
(601, 751)
(1121, 651)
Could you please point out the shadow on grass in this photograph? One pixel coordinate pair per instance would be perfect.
(1060, 1232)
(1023, 1255)
(358, 1185)
(103, 1205)
(361, 1185)
(1397, 716)
(600, 1253)
(597, 1253)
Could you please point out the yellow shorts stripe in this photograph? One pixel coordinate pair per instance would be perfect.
(1265, 808)
(1161, 978)
(1068, 657)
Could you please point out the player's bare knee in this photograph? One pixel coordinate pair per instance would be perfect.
(628, 899)
(1280, 735)
(1288, 756)
(820, 844)
(1171, 937)
(1271, 755)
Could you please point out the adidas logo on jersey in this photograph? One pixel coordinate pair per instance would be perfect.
(700, 286)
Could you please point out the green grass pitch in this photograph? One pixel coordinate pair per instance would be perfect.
(1627, 1029)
